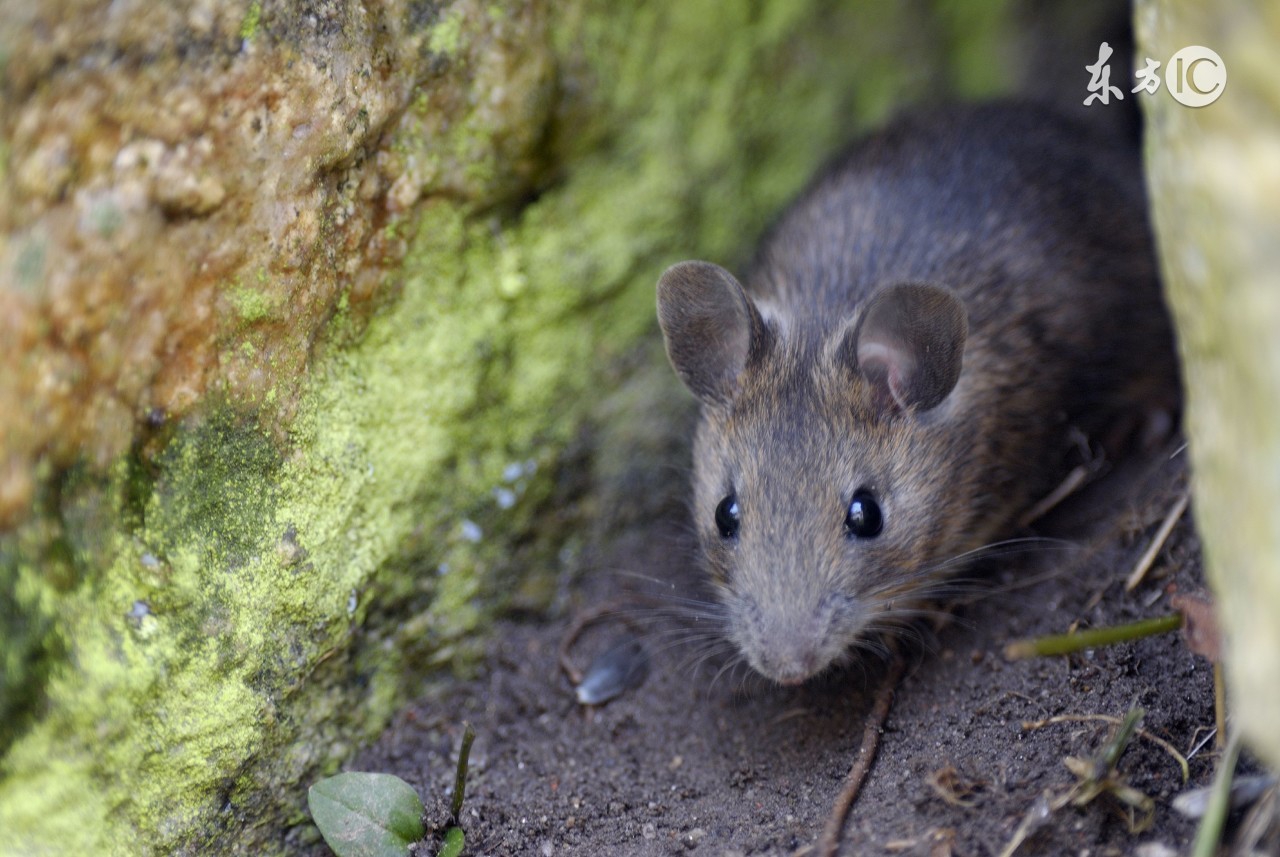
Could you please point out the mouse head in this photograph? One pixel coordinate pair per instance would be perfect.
(817, 497)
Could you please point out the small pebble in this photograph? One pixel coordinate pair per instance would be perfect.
(622, 667)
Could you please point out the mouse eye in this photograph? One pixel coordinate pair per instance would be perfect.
(727, 517)
(863, 520)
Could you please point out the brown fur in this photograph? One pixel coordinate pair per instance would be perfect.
(1011, 218)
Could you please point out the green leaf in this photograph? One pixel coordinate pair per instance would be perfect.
(366, 815)
(452, 846)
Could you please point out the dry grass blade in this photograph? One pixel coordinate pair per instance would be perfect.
(1157, 543)
(1095, 776)
(1110, 718)
(1035, 818)
(1075, 480)
(1209, 833)
(953, 787)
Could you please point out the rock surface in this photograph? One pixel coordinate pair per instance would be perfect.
(1214, 179)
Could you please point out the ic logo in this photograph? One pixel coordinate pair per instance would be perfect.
(1195, 76)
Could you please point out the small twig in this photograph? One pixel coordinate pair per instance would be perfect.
(1209, 833)
(460, 778)
(1065, 644)
(571, 636)
(1076, 478)
(1108, 718)
(1219, 706)
(1211, 735)
(1043, 807)
(1157, 543)
(829, 842)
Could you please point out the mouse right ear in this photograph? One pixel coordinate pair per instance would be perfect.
(711, 328)
(909, 343)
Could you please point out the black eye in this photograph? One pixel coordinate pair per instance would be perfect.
(727, 517)
(863, 520)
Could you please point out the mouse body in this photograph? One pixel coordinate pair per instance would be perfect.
(921, 334)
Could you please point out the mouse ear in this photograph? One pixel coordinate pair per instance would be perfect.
(711, 328)
(909, 342)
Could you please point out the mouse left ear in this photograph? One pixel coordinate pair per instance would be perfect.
(909, 343)
(711, 327)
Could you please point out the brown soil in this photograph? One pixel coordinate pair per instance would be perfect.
(731, 766)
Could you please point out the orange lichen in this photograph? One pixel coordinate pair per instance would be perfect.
(166, 172)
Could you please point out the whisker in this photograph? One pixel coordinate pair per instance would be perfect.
(728, 667)
(1005, 548)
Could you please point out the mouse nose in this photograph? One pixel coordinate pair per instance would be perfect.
(792, 669)
(791, 649)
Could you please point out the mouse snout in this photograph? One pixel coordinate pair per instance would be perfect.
(789, 643)
(793, 662)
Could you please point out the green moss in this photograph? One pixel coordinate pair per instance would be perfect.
(209, 498)
(26, 623)
(979, 40)
(252, 304)
(447, 34)
(179, 602)
(251, 21)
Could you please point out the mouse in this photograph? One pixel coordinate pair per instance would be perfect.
(900, 376)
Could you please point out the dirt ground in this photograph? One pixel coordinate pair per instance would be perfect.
(730, 766)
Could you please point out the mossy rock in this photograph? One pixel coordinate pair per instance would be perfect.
(306, 307)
